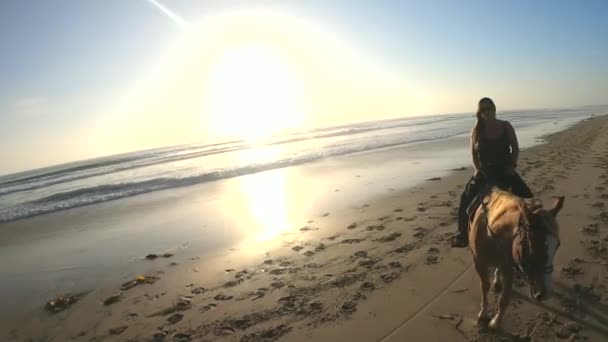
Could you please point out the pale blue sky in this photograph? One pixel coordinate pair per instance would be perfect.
(64, 61)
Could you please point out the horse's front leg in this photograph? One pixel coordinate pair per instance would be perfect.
(496, 284)
(506, 275)
(483, 273)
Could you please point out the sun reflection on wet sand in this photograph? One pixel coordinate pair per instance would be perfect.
(265, 195)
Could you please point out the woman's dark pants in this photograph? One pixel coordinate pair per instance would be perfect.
(508, 182)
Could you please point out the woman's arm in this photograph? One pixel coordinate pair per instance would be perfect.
(514, 144)
(475, 155)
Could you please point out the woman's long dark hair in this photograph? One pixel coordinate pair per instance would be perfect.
(477, 130)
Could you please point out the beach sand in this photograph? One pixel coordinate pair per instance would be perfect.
(380, 270)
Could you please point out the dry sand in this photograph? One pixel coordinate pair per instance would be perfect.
(378, 271)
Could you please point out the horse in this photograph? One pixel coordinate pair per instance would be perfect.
(512, 235)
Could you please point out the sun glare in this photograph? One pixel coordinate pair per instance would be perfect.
(253, 93)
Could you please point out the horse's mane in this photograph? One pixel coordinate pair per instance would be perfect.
(528, 207)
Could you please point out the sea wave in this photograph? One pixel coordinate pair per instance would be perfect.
(107, 192)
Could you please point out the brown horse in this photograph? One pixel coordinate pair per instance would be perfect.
(510, 234)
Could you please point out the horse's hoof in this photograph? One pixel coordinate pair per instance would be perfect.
(482, 321)
(494, 324)
(496, 287)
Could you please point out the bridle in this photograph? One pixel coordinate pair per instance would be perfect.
(525, 262)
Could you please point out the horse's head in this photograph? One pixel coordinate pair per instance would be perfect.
(535, 247)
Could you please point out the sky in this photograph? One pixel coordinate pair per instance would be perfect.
(82, 79)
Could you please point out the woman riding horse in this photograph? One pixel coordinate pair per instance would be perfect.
(495, 152)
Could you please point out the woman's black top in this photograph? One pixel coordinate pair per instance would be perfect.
(494, 154)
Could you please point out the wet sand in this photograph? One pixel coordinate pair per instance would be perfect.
(379, 270)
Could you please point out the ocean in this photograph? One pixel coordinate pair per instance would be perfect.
(87, 182)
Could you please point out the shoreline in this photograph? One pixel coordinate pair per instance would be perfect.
(379, 270)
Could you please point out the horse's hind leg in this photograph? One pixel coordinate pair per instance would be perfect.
(496, 284)
(483, 272)
(506, 275)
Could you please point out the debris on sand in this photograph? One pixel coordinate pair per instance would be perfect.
(61, 303)
(113, 299)
(153, 256)
(142, 279)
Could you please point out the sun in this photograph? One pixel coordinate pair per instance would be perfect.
(253, 93)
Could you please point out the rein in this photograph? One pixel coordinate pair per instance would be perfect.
(523, 260)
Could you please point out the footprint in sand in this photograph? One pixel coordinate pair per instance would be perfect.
(118, 330)
(405, 248)
(395, 264)
(367, 263)
(232, 283)
(350, 306)
(352, 225)
(269, 334)
(351, 241)
(309, 253)
(320, 248)
(421, 209)
(383, 218)
(420, 232)
(277, 284)
(176, 317)
(431, 259)
(398, 210)
(222, 296)
(360, 254)
(367, 286)
(389, 238)
(389, 277)
(399, 218)
(308, 228)
(297, 248)
(374, 227)
(241, 274)
(198, 290)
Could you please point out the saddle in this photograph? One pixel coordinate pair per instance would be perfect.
(478, 200)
